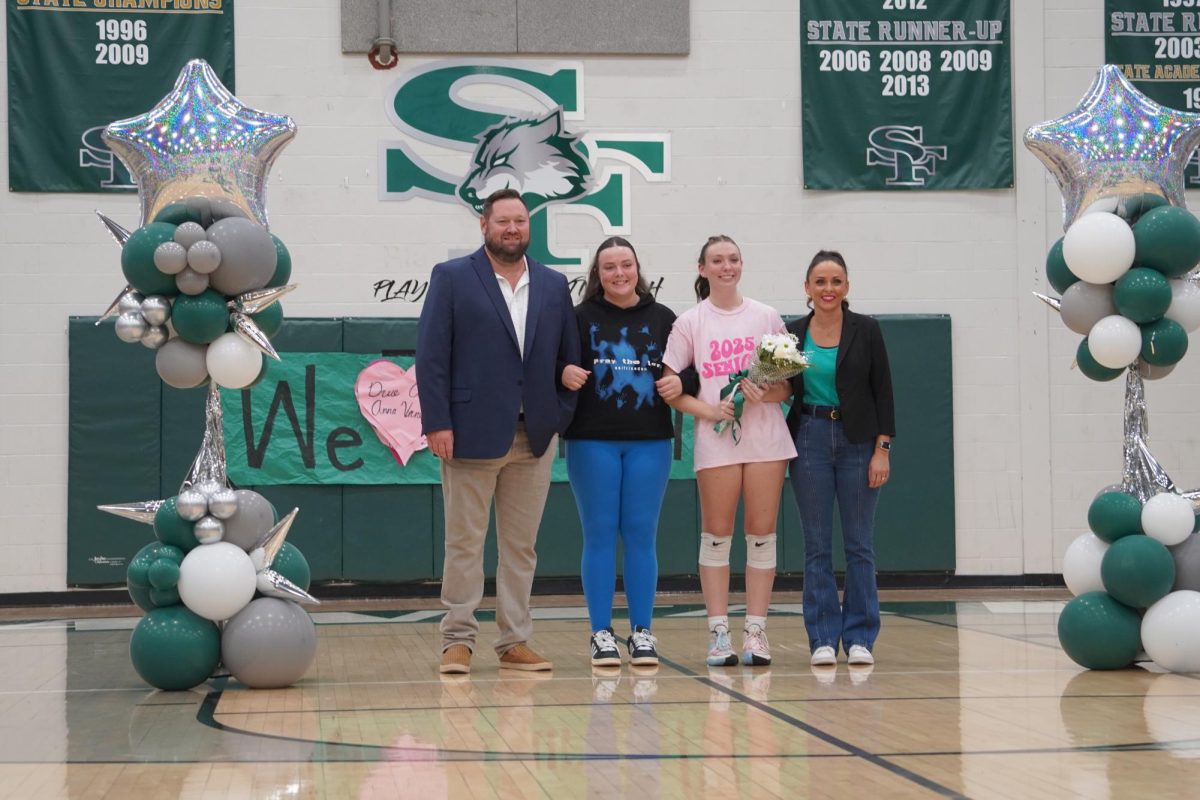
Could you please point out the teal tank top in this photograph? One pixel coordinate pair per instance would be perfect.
(820, 379)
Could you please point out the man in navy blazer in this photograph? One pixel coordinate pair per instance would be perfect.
(496, 332)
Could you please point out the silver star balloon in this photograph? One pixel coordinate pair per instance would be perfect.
(200, 141)
(272, 541)
(1116, 143)
(142, 511)
(255, 301)
(209, 464)
(248, 329)
(272, 584)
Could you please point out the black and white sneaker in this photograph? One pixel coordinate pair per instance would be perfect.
(604, 649)
(641, 644)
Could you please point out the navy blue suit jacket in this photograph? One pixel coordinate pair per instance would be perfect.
(470, 374)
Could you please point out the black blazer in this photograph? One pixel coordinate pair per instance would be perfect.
(863, 379)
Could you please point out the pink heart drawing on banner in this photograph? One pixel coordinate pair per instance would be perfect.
(387, 397)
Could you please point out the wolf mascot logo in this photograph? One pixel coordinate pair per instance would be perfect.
(534, 156)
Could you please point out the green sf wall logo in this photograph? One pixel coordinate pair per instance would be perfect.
(532, 151)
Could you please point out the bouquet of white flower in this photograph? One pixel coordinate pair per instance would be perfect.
(777, 357)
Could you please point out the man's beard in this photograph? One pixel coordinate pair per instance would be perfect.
(505, 253)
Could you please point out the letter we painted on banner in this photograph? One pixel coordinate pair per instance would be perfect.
(1156, 43)
(76, 65)
(515, 124)
(906, 94)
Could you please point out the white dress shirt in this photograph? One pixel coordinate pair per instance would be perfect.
(518, 303)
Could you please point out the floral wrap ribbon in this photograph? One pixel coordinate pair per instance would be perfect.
(734, 387)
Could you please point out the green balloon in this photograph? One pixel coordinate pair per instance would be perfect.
(165, 597)
(1138, 570)
(174, 649)
(283, 264)
(1168, 240)
(270, 319)
(164, 573)
(178, 213)
(291, 564)
(1164, 342)
(137, 260)
(202, 318)
(1113, 515)
(137, 574)
(1142, 294)
(173, 529)
(1097, 632)
(1092, 368)
(1133, 207)
(1057, 271)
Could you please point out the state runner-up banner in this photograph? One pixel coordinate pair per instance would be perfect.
(1156, 43)
(74, 66)
(906, 94)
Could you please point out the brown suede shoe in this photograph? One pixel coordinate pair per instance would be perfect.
(456, 659)
(522, 658)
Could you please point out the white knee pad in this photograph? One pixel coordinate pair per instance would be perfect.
(760, 551)
(714, 550)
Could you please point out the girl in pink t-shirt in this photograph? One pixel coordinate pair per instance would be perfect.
(718, 337)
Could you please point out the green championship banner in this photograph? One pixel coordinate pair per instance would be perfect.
(74, 66)
(302, 423)
(906, 94)
(1156, 43)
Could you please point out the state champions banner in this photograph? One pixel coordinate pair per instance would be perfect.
(906, 94)
(74, 66)
(301, 424)
(1156, 43)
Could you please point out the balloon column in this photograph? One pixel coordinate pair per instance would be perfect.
(204, 277)
(1127, 274)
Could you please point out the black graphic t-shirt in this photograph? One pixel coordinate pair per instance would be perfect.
(623, 349)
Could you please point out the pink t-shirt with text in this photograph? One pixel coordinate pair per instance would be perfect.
(718, 343)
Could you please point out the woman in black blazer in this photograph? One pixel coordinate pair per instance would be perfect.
(842, 421)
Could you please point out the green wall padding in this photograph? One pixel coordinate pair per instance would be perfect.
(131, 438)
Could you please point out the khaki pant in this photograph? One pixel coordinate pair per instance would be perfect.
(519, 482)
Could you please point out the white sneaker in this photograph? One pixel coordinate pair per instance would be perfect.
(604, 649)
(857, 654)
(824, 656)
(756, 651)
(720, 649)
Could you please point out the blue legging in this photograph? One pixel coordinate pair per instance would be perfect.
(619, 488)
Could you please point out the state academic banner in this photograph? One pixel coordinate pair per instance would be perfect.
(302, 424)
(1156, 43)
(906, 94)
(74, 66)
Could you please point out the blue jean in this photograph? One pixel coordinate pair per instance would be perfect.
(827, 465)
(619, 488)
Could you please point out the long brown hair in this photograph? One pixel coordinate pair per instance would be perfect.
(822, 256)
(702, 287)
(593, 288)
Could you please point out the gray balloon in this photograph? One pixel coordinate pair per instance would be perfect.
(254, 516)
(182, 364)
(223, 209)
(188, 234)
(170, 258)
(208, 530)
(130, 302)
(223, 504)
(1152, 373)
(191, 505)
(269, 644)
(1187, 564)
(191, 282)
(248, 255)
(1084, 304)
(204, 257)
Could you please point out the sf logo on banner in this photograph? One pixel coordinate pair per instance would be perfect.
(900, 147)
(96, 155)
(514, 120)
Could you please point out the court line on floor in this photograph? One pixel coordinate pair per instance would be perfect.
(825, 736)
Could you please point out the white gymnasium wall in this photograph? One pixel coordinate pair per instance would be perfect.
(1033, 439)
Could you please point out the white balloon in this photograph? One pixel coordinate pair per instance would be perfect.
(1081, 564)
(233, 362)
(1171, 631)
(1099, 247)
(216, 580)
(1168, 518)
(1185, 304)
(1114, 341)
